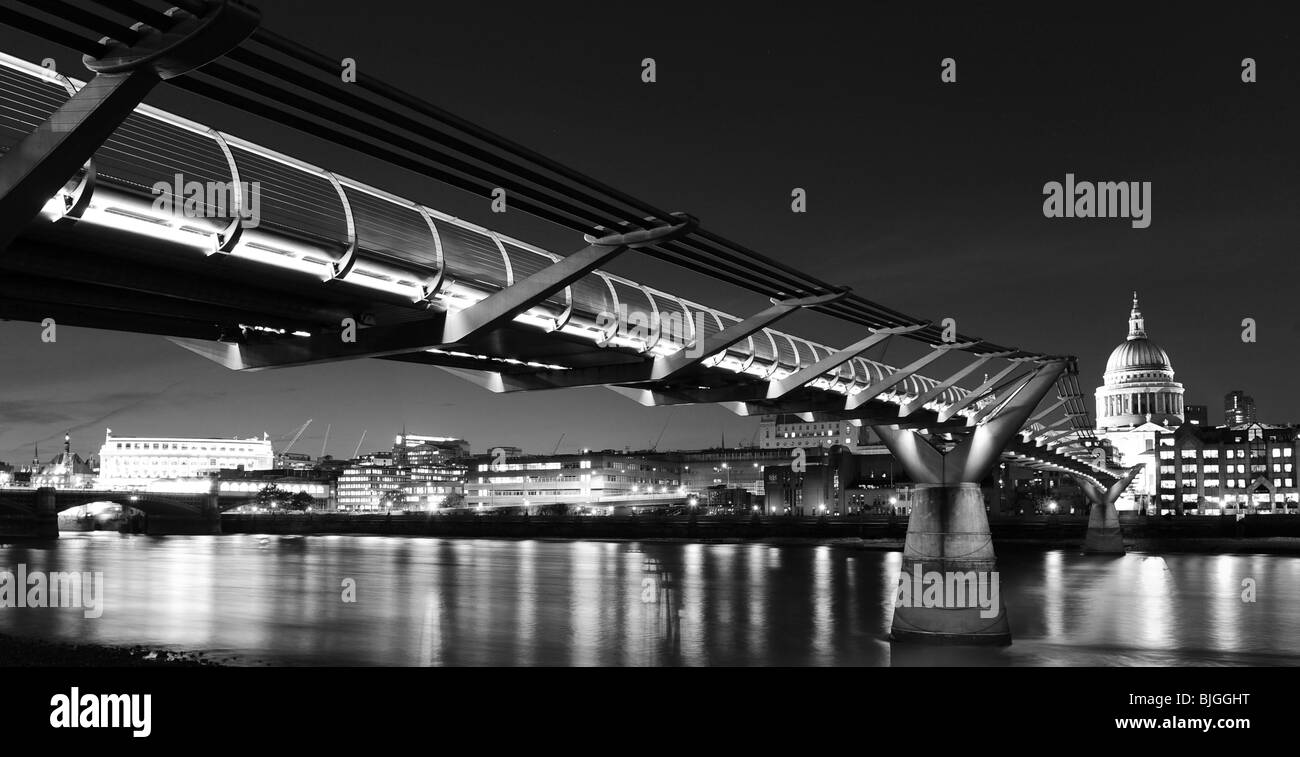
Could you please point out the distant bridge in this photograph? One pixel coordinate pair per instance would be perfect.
(34, 512)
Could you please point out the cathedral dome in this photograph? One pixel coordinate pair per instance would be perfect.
(1138, 386)
(1138, 354)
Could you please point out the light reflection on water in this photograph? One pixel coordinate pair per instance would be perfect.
(279, 600)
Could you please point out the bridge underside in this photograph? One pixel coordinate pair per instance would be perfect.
(135, 284)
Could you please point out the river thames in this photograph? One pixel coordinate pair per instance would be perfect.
(373, 600)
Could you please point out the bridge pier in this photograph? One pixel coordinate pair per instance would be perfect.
(47, 513)
(1104, 535)
(948, 588)
(948, 535)
(204, 523)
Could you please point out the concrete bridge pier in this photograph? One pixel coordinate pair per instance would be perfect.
(46, 513)
(948, 539)
(206, 521)
(1104, 536)
(949, 587)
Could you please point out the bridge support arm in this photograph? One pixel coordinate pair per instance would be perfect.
(948, 530)
(1104, 534)
(695, 352)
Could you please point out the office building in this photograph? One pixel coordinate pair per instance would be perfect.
(135, 461)
(1244, 469)
(598, 482)
(1238, 408)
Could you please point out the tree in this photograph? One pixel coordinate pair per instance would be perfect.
(301, 501)
(394, 499)
(452, 500)
(272, 496)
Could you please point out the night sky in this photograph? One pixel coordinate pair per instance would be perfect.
(923, 196)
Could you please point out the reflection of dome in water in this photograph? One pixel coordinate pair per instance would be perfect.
(1139, 382)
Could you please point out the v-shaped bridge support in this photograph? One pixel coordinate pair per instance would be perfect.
(949, 546)
(1104, 534)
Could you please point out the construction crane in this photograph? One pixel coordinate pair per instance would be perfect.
(655, 446)
(325, 443)
(296, 437)
(557, 445)
(357, 451)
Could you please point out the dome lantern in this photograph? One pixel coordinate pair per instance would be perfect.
(1137, 327)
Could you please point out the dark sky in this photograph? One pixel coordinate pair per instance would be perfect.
(923, 196)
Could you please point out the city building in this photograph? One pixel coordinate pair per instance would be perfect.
(1238, 408)
(789, 431)
(505, 449)
(736, 468)
(436, 467)
(836, 481)
(1197, 415)
(419, 473)
(434, 485)
(66, 471)
(1242, 469)
(415, 449)
(381, 457)
(294, 461)
(320, 486)
(594, 481)
(1028, 491)
(1137, 401)
(364, 488)
(134, 461)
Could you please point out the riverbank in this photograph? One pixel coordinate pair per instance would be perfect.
(1215, 535)
(21, 652)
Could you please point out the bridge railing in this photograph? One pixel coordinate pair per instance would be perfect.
(326, 226)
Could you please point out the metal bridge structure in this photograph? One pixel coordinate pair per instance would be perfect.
(117, 215)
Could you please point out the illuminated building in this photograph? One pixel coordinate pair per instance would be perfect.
(1137, 401)
(730, 468)
(789, 431)
(135, 461)
(414, 449)
(1138, 386)
(320, 486)
(435, 469)
(602, 480)
(66, 471)
(835, 481)
(1249, 468)
(1238, 408)
(373, 487)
